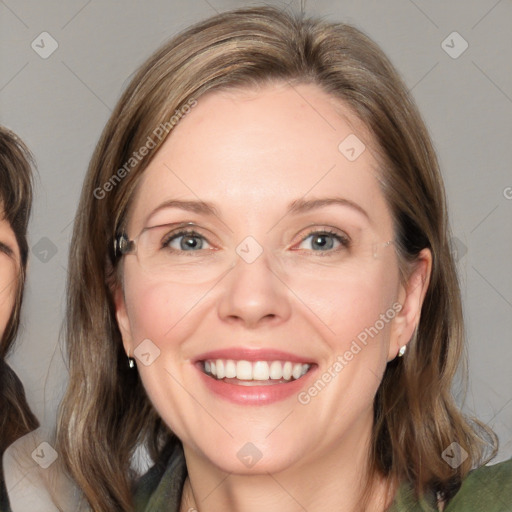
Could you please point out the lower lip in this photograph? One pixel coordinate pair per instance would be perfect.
(256, 394)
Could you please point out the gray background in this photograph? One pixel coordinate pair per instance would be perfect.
(60, 104)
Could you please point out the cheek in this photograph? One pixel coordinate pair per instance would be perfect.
(160, 311)
(7, 292)
(346, 305)
(358, 311)
(160, 317)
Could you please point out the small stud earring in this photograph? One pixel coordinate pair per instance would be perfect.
(131, 362)
(402, 350)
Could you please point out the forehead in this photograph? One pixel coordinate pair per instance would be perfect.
(254, 150)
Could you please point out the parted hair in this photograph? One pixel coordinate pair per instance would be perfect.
(105, 413)
(16, 418)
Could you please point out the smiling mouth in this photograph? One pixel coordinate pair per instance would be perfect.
(254, 373)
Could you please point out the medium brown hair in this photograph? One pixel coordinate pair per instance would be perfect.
(16, 418)
(106, 414)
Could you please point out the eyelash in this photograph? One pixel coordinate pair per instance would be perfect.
(5, 249)
(344, 240)
(182, 232)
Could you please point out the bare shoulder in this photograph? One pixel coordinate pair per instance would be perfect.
(33, 476)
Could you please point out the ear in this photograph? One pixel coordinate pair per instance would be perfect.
(411, 295)
(122, 319)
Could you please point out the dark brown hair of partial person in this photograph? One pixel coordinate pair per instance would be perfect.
(16, 418)
(105, 413)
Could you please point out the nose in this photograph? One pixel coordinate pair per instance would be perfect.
(254, 294)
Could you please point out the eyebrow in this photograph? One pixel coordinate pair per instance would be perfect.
(199, 207)
(295, 207)
(302, 205)
(6, 249)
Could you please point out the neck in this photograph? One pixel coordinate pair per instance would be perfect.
(332, 478)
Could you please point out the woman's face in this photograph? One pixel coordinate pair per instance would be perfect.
(9, 268)
(288, 270)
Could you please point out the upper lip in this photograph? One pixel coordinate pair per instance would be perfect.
(252, 354)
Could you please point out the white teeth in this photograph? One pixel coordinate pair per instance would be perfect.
(287, 370)
(297, 371)
(244, 370)
(276, 370)
(230, 369)
(255, 371)
(260, 371)
(221, 373)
